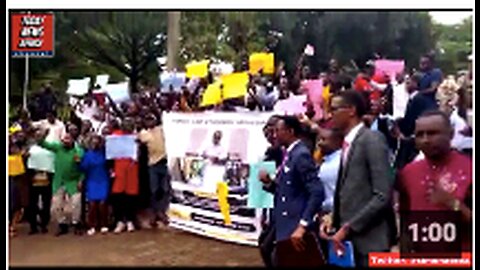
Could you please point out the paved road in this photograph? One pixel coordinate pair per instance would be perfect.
(160, 247)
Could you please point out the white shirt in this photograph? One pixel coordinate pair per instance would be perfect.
(292, 145)
(349, 140)
(328, 174)
(459, 140)
(215, 151)
(55, 130)
(400, 100)
(98, 126)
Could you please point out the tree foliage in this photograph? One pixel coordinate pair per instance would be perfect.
(126, 44)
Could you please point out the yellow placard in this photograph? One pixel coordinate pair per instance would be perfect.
(212, 95)
(15, 165)
(269, 64)
(265, 61)
(235, 85)
(197, 69)
(222, 193)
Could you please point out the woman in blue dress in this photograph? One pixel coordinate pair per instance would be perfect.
(97, 181)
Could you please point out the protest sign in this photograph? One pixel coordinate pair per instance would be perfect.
(174, 79)
(262, 61)
(118, 92)
(212, 95)
(389, 67)
(309, 50)
(315, 92)
(257, 197)
(235, 85)
(197, 207)
(78, 87)
(197, 69)
(121, 146)
(291, 106)
(102, 80)
(40, 159)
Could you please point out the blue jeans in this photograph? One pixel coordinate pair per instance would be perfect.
(160, 187)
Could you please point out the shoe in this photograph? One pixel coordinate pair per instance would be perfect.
(120, 227)
(62, 229)
(91, 232)
(130, 227)
(77, 229)
(104, 230)
(33, 231)
(43, 230)
(164, 219)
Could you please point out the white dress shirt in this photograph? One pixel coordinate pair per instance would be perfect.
(328, 174)
(349, 140)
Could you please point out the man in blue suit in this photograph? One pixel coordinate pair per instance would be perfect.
(298, 192)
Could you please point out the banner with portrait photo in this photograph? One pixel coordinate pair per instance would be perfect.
(206, 151)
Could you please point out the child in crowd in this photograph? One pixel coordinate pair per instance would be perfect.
(97, 184)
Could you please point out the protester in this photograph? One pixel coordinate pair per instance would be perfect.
(330, 144)
(125, 186)
(18, 189)
(41, 166)
(431, 77)
(67, 183)
(266, 240)
(443, 180)
(362, 208)
(56, 128)
(378, 120)
(97, 184)
(400, 96)
(160, 186)
(417, 104)
(447, 98)
(298, 193)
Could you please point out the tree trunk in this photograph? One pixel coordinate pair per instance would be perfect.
(134, 77)
(173, 39)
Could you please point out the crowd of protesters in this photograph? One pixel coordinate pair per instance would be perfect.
(367, 140)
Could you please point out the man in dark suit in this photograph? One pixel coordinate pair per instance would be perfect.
(266, 240)
(299, 194)
(363, 212)
(418, 103)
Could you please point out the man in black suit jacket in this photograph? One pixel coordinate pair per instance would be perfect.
(299, 194)
(363, 212)
(418, 103)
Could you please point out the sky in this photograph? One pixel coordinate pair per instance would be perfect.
(450, 17)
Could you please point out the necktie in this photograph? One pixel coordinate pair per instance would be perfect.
(284, 162)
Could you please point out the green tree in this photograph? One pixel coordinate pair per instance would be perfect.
(128, 41)
(454, 45)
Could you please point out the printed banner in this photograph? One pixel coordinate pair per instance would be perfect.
(207, 153)
(32, 35)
